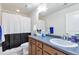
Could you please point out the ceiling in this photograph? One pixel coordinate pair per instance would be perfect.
(25, 8)
(54, 7)
(28, 8)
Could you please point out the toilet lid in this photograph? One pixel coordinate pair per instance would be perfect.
(25, 44)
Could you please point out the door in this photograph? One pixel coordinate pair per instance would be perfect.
(33, 49)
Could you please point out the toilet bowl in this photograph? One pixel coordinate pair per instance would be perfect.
(13, 51)
(21, 50)
(24, 47)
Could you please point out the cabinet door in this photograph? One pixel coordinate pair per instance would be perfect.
(51, 50)
(33, 49)
(39, 51)
(30, 52)
(39, 44)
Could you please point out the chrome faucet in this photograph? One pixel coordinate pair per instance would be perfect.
(66, 36)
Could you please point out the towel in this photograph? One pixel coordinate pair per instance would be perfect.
(2, 37)
(0, 33)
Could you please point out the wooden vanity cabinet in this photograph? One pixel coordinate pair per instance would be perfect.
(51, 51)
(35, 47)
(39, 48)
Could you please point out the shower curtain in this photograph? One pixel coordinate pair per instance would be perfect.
(13, 23)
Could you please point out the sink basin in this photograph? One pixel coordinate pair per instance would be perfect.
(63, 43)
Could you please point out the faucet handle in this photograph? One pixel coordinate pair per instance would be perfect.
(66, 36)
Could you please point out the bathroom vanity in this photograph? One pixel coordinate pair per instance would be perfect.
(37, 47)
(42, 46)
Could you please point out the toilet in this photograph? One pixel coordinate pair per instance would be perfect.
(21, 50)
(13, 51)
(24, 48)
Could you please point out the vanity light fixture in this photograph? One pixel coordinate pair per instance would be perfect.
(42, 8)
(17, 10)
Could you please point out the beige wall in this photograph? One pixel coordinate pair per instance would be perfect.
(58, 19)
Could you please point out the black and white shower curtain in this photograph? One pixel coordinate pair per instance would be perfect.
(13, 23)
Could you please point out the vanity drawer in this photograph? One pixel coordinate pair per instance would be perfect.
(39, 44)
(39, 51)
(33, 41)
(52, 51)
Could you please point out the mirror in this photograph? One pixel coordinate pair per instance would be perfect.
(72, 22)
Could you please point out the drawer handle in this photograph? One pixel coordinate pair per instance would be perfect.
(55, 54)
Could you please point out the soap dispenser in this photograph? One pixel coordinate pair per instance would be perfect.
(43, 33)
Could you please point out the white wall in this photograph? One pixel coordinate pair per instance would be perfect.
(72, 22)
(33, 19)
(58, 19)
